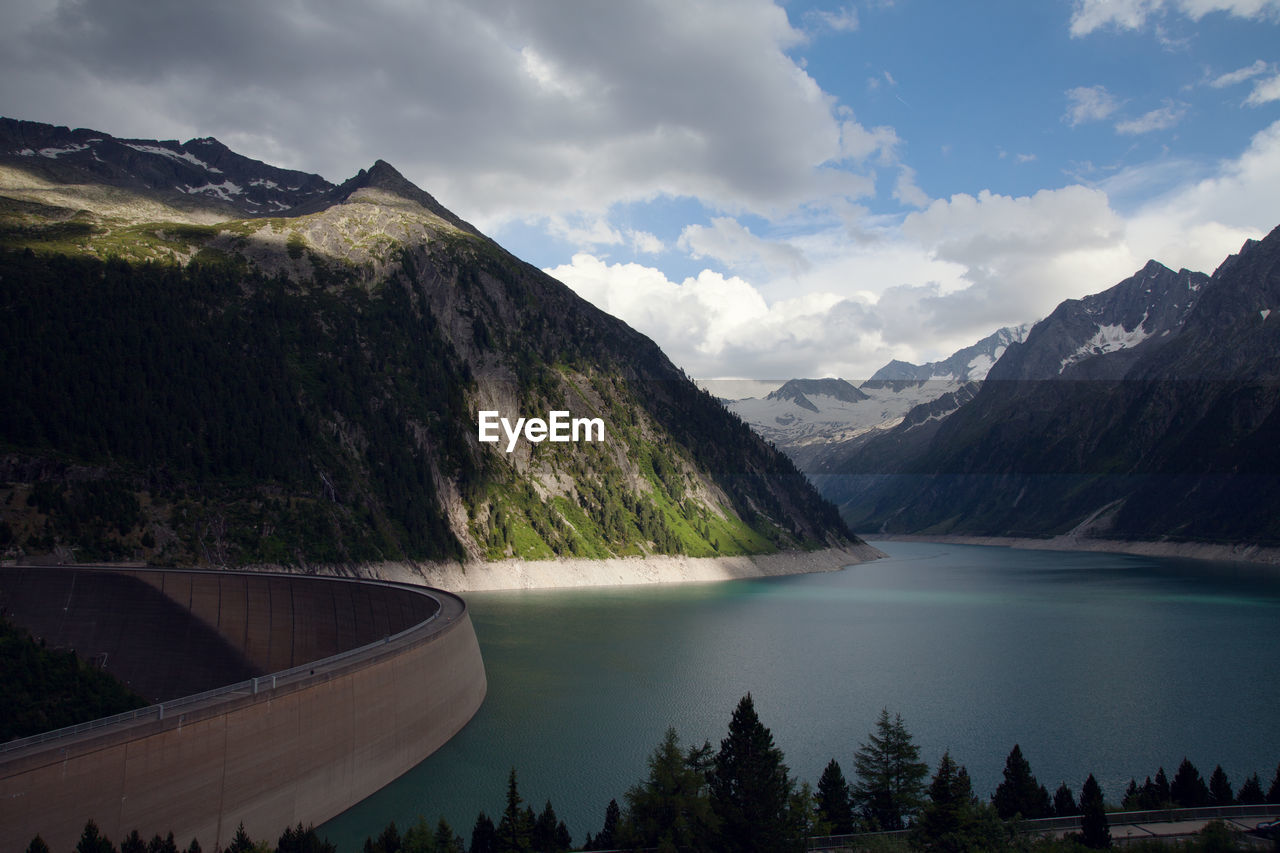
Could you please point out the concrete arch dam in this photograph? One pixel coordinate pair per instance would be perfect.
(281, 699)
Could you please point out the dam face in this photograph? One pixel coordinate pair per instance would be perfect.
(323, 691)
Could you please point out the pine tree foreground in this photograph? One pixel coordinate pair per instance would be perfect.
(1094, 830)
(750, 788)
(1020, 794)
(890, 775)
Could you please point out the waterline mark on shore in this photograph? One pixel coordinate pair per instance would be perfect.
(558, 427)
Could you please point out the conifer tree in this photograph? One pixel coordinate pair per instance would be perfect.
(93, 841)
(530, 821)
(1020, 793)
(446, 840)
(418, 838)
(1250, 793)
(834, 806)
(1064, 802)
(607, 839)
(169, 845)
(673, 802)
(548, 831)
(514, 827)
(483, 835)
(37, 845)
(1146, 798)
(890, 775)
(133, 843)
(1273, 793)
(1160, 791)
(563, 840)
(294, 839)
(242, 843)
(1133, 795)
(749, 786)
(948, 792)
(1094, 830)
(1188, 789)
(952, 819)
(1220, 788)
(802, 813)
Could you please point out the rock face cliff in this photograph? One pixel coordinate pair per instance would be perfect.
(1149, 411)
(208, 359)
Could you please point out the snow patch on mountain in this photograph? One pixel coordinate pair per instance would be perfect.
(173, 155)
(53, 153)
(981, 364)
(224, 190)
(1110, 338)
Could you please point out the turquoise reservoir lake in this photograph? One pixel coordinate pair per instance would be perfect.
(1094, 663)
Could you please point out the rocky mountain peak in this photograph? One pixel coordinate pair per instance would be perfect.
(797, 389)
(969, 364)
(384, 177)
(1147, 309)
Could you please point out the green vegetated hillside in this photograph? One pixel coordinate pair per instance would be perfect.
(182, 384)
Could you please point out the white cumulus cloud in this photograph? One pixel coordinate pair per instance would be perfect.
(940, 279)
(727, 240)
(1197, 225)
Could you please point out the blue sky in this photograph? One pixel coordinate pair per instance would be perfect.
(768, 189)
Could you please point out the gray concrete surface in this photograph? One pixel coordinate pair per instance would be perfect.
(272, 752)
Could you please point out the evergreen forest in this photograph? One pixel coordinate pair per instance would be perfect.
(214, 413)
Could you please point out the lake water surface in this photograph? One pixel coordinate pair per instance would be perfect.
(1100, 663)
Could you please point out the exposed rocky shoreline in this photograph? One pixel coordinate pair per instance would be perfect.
(618, 571)
(1240, 552)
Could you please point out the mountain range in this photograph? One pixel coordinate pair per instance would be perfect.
(208, 359)
(816, 421)
(1148, 411)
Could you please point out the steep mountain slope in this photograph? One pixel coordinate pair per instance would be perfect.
(1133, 317)
(188, 378)
(1149, 411)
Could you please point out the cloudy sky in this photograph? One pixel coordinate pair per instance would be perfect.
(768, 189)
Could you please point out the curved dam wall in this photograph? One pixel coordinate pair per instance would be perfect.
(349, 685)
(171, 633)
